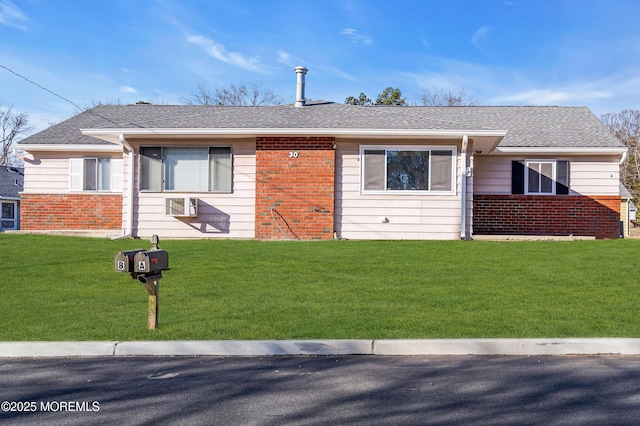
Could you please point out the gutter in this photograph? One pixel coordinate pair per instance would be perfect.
(560, 150)
(129, 230)
(463, 188)
(107, 134)
(18, 153)
(67, 147)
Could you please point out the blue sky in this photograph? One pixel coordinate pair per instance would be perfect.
(501, 52)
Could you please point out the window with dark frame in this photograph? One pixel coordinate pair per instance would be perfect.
(8, 215)
(423, 169)
(185, 169)
(540, 177)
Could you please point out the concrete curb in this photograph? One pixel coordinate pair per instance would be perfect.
(247, 347)
(575, 346)
(53, 349)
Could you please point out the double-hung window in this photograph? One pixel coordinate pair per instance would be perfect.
(185, 169)
(95, 174)
(408, 169)
(540, 177)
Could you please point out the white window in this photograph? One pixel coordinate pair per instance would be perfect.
(546, 177)
(95, 174)
(185, 169)
(540, 177)
(408, 169)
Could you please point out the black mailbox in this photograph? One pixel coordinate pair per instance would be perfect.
(123, 261)
(145, 262)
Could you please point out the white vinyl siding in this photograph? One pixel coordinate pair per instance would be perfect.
(588, 175)
(391, 215)
(220, 214)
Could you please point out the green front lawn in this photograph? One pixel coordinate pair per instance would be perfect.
(65, 288)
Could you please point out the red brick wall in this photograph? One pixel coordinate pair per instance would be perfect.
(597, 216)
(70, 211)
(295, 188)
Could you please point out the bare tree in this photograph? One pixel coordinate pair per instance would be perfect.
(433, 97)
(446, 97)
(94, 103)
(13, 125)
(255, 94)
(625, 125)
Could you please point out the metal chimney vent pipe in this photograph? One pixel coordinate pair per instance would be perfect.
(300, 100)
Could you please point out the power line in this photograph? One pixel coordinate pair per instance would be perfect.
(42, 87)
(55, 94)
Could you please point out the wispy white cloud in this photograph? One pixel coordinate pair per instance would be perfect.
(478, 38)
(443, 72)
(128, 89)
(218, 51)
(355, 37)
(554, 96)
(12, 16)
(601, 95)
(284, 57)
(500, 85)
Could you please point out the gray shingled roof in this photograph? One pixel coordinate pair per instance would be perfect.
(526, 126)
(624, 192)
(8, 178)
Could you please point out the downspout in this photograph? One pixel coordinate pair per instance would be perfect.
(129, 230)
(622, 158)
(463, 188)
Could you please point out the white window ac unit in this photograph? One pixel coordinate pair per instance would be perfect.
(181, 207)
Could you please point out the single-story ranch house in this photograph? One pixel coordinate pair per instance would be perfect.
(323, 170)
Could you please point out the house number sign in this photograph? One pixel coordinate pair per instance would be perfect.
(293, 154)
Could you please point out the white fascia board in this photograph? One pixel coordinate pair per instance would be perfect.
(561, 150)
(108, 134)
(68, 148)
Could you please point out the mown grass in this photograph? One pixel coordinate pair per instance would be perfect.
(65, 288)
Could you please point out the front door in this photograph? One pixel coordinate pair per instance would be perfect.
(8, 215)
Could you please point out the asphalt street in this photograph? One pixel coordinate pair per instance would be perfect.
(321, 390)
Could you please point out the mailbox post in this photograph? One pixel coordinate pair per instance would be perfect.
(146, 267)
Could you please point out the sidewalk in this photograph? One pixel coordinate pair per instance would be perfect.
(574, 346)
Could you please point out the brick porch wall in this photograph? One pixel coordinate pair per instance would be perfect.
(70, 211)
(295, 188)
(597, 216)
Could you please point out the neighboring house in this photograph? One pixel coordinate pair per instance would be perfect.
(627, 211)
(11, 184)
(323, 170)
